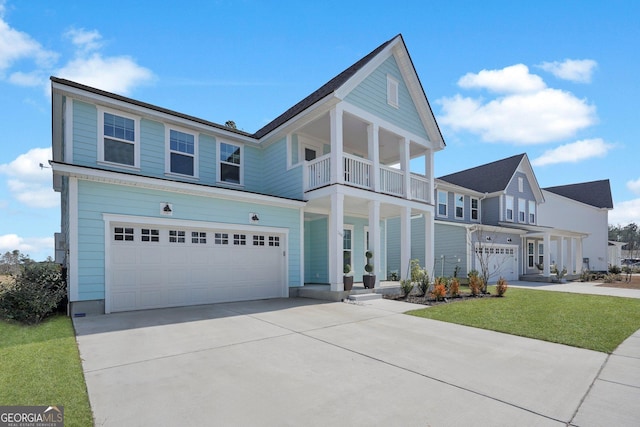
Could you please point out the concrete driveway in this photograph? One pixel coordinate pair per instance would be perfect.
(306, 362)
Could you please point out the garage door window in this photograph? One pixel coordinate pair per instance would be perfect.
(221, 239)
(198, 237)
(123, 234)
(274, 241)
(150, 235)
(176, 236)
(240, 239)
(258, 240)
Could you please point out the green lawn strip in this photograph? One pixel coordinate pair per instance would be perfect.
(593, 322)
(41, 366)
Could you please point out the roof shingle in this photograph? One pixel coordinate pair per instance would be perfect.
(487, 178)
(594, 193)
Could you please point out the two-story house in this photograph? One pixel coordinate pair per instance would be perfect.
(164, 209)
(496, 218)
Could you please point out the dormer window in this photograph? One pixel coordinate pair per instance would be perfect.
(520, 184)
(392, 92)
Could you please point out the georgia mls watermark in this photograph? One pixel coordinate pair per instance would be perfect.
(31, 416)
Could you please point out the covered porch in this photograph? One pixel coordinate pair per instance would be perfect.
(549, 248)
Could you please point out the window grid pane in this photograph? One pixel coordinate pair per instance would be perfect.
(119, 127)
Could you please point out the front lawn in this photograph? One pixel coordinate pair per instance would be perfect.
(40, 365)
(593, 322)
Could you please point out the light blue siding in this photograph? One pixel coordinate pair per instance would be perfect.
(276, 179)
(152, 148)
(253, 169)
(85, 133)
(94, 199)
(450, 245)
(208, 164)
(316, 246)
(371, 95)
(418, 235)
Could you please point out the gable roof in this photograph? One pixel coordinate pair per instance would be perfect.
(594, 193)
(488, 178)
(326, 89)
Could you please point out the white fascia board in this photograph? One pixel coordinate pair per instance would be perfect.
(110, 177)
(496, 229)
(443, 185)
(141, 111)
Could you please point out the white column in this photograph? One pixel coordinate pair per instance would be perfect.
(571, 262)
(429, 237)
(374, 154)
(405, 242)
(546, 241)
(337, 173)
(579, 263)
(374, 239)
(405, 159)
(336, 231)
(428, 172)
(560, 265)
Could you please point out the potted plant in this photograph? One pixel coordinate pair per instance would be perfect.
(369, 279)
(347, 279)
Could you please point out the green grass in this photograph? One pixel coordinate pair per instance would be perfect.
(40, 365)
(593, 322)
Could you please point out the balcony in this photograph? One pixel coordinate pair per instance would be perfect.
(358, 172)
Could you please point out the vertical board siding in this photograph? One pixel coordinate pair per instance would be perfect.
(450, 245)
(85, 133)
(371, 96)
(94, 199)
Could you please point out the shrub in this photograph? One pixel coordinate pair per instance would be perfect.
(406, 286)
(423, 282)
(475, 284)
(609, 278)
(501, 286)
(454, 287)
(614, 269)
(439, 291)
(36, 292)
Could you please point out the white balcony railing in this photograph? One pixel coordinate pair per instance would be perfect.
(420, 188)
(359, 172)
(391, 181)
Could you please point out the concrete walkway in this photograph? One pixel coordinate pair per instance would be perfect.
(592, 288)
(305, 362)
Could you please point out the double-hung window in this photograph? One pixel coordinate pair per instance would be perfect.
(118, 142)
(475, 209)
(393, 96)
(509, 202)
(522, 206)
(182, 153)
(532, 212)
(230, 163)
(459, 206)
(442, 203)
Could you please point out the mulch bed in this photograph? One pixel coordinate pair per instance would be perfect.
(426, 300)
(634, 283)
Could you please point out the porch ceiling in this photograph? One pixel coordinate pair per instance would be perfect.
(353, 206)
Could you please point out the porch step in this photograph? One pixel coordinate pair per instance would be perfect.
(364, 297)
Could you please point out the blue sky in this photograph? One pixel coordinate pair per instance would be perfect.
(555, 79)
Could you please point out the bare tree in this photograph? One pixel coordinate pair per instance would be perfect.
(489, 263)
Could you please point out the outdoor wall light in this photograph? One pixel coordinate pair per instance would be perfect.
(166, 209)
(488, 238)
(254, 217)
(509, 240)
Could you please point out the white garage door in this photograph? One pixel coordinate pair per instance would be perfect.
(501, 261)
(153, 267)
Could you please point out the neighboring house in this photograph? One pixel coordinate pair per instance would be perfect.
(496, 218)
(164, 209)
(584, 208)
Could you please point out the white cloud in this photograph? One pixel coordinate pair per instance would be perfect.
(524, 118)
(625, 212)
(634, 185)
(114, 74)
(34, 78)
(28, 182)
(84, 40)
(37, 248)
(16, 45)
(512, 79)
(575, 70)
(574, 152)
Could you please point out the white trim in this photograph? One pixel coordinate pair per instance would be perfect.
(74, 292)
(109, 219)
(534, 213)
(219, 162)
(68, 131)
(118, 178)
(349, 227)
(136, 138)
(302, 235)
(168, 151)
